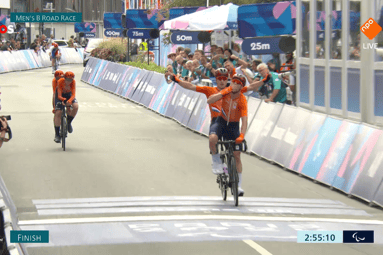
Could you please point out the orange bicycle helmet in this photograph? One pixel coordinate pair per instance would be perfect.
(241, 78)
(59, 73)
(55, 45)
(69, 75)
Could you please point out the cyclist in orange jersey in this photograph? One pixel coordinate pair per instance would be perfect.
(215, 108)
(66, 93)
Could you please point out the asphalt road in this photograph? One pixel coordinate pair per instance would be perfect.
(134, 182)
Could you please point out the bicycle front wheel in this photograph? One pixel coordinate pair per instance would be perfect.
(63, 131)
(223, 186)
(233, 179)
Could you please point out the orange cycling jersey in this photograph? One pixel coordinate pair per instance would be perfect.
(63, 89)
(215, 108)
(54, 85)
(234, 109)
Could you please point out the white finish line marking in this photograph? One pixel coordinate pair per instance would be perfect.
(257, 247)
(191, 217)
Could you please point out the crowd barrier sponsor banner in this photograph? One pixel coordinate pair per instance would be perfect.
(193, 100)
(162, 97)
(336, 154)
(89, 69)
(43, 59)
(138, 82)
(171, 103)
(131, 79)
(261, 143)
(321, 147)
(305, 142)
(205, 125)
(3, 64)
(370, 176)
(278, 132)
(181, 104)
(294, 124)
(196, 115)
(100, 72)
(151, 89)
(112, 77)
(378, 199)
(31, 61)
(258, 122)
(125, 81)
(252, 108)
(9, 61)
(357, 156)
(142, 87)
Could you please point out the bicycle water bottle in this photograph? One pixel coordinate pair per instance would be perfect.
(225, 169)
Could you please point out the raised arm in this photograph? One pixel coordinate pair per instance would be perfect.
(184, 84)
(257, 84)
(240, 61)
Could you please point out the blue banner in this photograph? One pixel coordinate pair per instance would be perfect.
(259, 46)
(85, 27)
(178, 12)
(113, 32)
(184, 37)
(112, 20)
(255, 20)
(141, 19)
(139, 33)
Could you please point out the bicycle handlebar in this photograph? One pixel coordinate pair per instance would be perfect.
(226, 142)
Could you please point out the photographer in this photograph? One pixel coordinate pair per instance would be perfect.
(3, 130)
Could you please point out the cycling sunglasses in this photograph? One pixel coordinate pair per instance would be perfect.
(237, 82)
(222, 78)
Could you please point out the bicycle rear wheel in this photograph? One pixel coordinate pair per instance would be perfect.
(233, 179)
(63, 131)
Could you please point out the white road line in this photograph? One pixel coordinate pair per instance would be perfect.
(257, 247)
(192, 217)
(181, 198)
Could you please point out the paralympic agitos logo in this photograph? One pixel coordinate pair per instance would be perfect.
(4, 29)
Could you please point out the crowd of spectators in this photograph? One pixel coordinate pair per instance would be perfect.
(199, 65)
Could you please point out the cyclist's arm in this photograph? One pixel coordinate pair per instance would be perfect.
(187, 85)
(60, 87)
(214, 98)
(255, 85)
(2, 135)
(248, 77)
(244, 124)
(73, 90)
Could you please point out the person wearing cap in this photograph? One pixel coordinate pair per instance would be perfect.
(172, 61)
(227, 125)
(190, 56)
(255, 74)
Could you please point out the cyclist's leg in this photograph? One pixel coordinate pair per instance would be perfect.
(231, 133)
(214, 134)
(71, 114)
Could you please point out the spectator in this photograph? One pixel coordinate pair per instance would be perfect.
(71, 42)
(275, 63)
(228, 53)
(254, 76)
(7, 46)
(13, 43)
(1, 44)
(50, 40)
(213, 50)
(178, 51)
(134, 50)
(189, 67)
(37, 49)
(43, 38)
(44, 46)
(198, 54)
(18, 44)
(274, 89)
(172, 61)
(33, 45)
(170, 68)
(190, 56)
(205, 72)
(186, 53)
(226, 46)
(179, 61)
(185, 71)
(289, 64)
